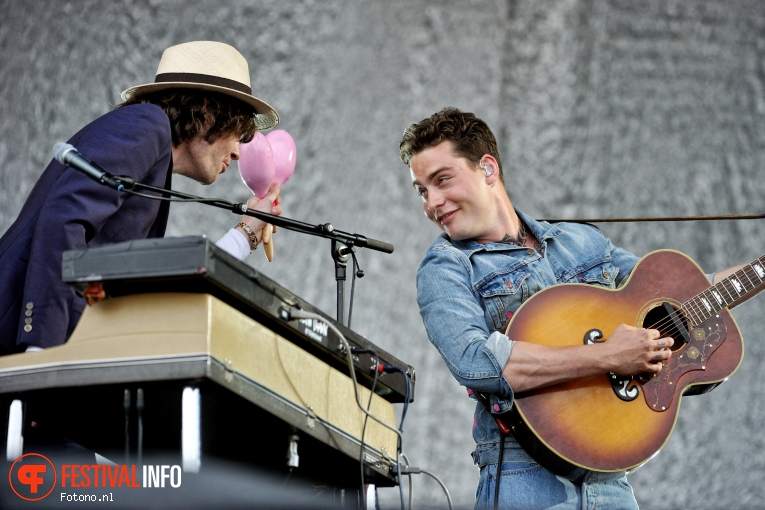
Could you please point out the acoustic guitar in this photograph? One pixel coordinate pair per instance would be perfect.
(611, 423)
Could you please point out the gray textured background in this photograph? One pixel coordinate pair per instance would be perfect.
(601, 109)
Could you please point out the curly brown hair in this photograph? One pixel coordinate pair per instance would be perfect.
(209, 114)
(470, 135)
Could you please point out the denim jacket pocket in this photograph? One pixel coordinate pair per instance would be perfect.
(602, 274)
(502, 294)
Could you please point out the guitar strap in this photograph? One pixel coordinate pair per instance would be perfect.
(503, 431)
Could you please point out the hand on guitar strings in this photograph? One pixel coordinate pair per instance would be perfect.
(638, 350)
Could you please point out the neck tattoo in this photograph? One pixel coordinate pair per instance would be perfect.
(520, 238)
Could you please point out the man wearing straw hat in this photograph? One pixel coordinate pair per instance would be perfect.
(190, 121)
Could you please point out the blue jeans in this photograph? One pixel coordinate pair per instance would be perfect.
(526, 485)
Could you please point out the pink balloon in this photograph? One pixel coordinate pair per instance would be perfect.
(256, 164)
(285, 154)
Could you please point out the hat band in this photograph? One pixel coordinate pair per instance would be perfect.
(204, 79)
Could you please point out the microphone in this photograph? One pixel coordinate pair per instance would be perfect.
(67, 155)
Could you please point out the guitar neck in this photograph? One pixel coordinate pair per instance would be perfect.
(731, 291)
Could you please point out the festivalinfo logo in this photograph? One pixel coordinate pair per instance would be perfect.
(34, 477)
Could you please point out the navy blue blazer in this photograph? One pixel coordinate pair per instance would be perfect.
(68, 210)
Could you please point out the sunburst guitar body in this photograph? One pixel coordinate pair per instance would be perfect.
(610, 423)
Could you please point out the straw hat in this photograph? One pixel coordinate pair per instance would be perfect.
(208, 65)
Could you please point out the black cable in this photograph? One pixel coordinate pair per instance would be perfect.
(353, 291)
(658, 218)
(126, 408)
(325, 230)
(357, 273)
(178, 198)
(139, 405)
(499, 470)
(407, 394)
(393, 368)
(294, 313)
(398, 474)
(361, 445)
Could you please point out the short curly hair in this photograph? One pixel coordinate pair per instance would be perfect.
(204, 113)
(470, 135)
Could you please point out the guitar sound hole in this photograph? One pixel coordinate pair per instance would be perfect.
(672, 325)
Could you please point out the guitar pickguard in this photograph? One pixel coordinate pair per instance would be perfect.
(704, 339)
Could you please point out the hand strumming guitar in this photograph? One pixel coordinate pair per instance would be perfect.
(628, 351)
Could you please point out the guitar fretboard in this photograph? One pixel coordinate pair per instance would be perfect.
(735, 287)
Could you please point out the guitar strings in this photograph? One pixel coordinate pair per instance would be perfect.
(748, 277)
(667, 326)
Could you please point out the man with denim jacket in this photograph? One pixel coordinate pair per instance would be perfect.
(489, 259)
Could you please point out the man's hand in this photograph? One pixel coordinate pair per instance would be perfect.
(271, 204)
(632, 350)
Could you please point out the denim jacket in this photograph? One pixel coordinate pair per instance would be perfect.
(466, 292)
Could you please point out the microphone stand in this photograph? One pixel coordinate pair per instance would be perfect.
(340, 256)
(343, 243)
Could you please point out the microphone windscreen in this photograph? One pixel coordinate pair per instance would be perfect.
(60, 149)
